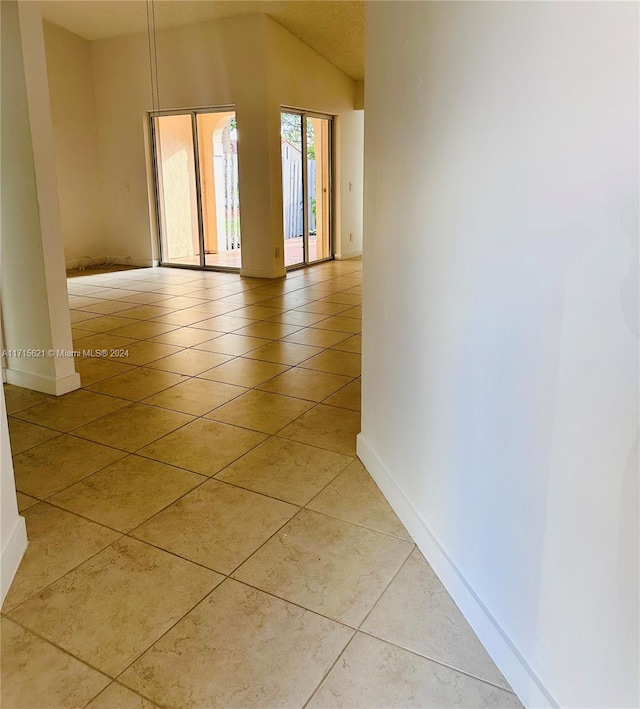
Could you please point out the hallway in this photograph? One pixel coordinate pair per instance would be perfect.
(201, 531)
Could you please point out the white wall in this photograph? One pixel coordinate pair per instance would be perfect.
(13, 531)
(15, 146)
(251, 62)
(300, 78)
(350, 184)
(500, 366)
(76, 144)
(35, 310)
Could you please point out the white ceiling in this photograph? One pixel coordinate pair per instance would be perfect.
(334, 28)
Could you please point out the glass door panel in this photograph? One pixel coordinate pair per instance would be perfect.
(218, 157)
(306, 187)
(319, 191)
(177, 191)
(293, 203)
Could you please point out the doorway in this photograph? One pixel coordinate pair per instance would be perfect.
(306, 140)
(195, 158)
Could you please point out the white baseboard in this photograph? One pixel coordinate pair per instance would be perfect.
(257, 273)
(526, 684)
(28, 380)
(12, 553)
(345, 255)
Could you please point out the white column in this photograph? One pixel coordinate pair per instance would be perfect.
(35, 313)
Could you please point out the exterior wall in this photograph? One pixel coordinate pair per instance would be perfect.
(500, 361)
(76, 144)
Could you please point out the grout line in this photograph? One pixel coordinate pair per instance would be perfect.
(436, 661)
(305, 287)
(328, 672)
(8, 613)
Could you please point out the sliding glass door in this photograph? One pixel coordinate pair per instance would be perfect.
(197, 197)
(306, 187)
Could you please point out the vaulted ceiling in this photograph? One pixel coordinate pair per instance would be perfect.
(334, 28)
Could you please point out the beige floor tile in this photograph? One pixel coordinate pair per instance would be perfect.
(103, 323)
(103, 341)
(196, 396)
(225, 323)
(78, 316)
(240, 648)
(417, 613)
(336, 362)
(65, 413)
(284, 352)
(352, 344)
(214, 308)
(217, 525)
(326, 427)
(289, 301)
(346, 298)
(182, 302)
(134, 427)
(352, 325)
(145, 351)
(190, 362)
(25, 502)
(95, 369)
(326, 565)
(24, 436)
(348, 397)
(182, 317)
(231, 344)
(324, 308)
(305, 384)
(244, 372)
(143, 298)
(373, 674)
(297, 317)
(284, 469)
(247, 297)
(58, 463)
(143, 330)
(269, 330)
(354, 497)
(115, 696)
(37, 675)
(204, 446)
(18, 399)
(121, 601)
(138, 383)
(258, 312)
(183, 337)
(355, 312)
(261, 411)
(77, 334)
(58, 542)
(146, 312)
(103, 307)
(316, 338)
(127, 493)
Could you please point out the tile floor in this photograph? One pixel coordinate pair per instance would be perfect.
(202, 534)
